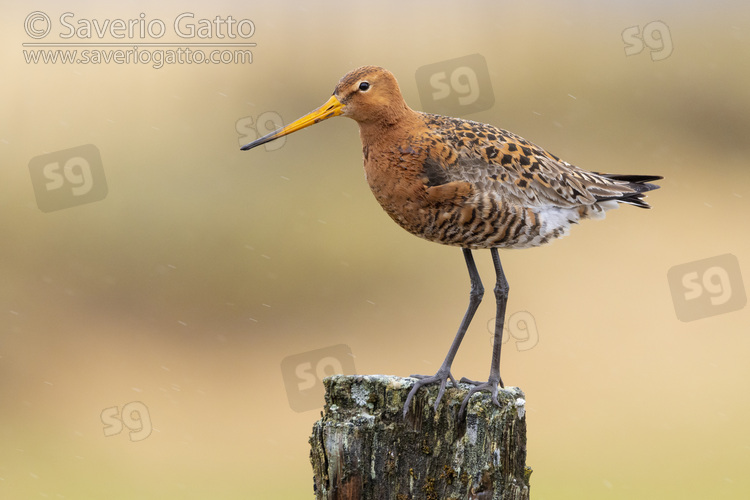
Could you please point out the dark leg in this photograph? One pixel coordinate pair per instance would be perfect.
(444, 373)
(501, 295)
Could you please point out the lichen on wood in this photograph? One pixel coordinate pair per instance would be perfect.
(363, 447)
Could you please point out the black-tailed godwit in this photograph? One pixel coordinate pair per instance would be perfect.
(466, 184)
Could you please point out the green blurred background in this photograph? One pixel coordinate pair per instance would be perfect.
(204, 266)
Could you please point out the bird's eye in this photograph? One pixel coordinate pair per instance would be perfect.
(364, 86)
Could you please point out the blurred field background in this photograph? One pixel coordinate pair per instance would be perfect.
(205, 266)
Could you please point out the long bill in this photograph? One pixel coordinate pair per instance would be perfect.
(332, 107)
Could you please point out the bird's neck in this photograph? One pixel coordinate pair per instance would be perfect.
(396, 124)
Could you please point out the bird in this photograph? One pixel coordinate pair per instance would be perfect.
(465, 184)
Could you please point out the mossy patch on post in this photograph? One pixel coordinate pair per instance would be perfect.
(364, 448)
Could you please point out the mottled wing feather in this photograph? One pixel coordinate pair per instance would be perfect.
(511, 168)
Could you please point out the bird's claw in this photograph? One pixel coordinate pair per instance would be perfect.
(441, 376)
(490, 386)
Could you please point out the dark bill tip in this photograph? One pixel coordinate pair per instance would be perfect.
(259, 142)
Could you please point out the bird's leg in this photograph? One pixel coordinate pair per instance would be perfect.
(501, 295)
(444, 373)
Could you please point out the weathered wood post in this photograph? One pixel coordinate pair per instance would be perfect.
(362, 448)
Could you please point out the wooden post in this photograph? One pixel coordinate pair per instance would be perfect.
(363, 449)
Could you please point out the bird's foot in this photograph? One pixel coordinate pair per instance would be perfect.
(442, 376)
(490, 386)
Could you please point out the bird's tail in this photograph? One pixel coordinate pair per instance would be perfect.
(640, 184)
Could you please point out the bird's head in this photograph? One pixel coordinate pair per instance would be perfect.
(369, 95)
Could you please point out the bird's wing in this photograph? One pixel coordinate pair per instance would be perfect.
(509, 167)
